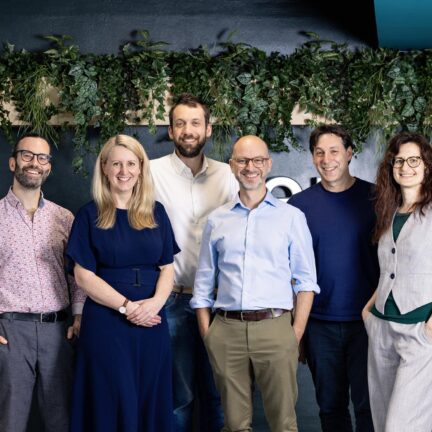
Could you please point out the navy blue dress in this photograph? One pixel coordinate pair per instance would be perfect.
(123, 371)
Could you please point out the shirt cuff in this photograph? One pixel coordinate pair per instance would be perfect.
(306, 287)
(77, 308)
(199, 303)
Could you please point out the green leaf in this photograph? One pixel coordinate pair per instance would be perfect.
(407, 111)
(244, 78)
(420, 104)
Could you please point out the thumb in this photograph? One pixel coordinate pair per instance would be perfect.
(3, 340)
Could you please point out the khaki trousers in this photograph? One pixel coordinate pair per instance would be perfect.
(242, 352)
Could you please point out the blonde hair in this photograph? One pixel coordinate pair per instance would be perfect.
(141, 204)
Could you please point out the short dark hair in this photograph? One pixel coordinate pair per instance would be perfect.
(29, 135)
(189, 100)
(330, 129)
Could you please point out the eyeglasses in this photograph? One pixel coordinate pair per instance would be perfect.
(28, 156)
(258, 162)
(412, 161)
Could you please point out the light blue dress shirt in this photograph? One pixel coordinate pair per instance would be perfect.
(252, 256)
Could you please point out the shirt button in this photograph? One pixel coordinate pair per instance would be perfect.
(393, 250)
(392, 276)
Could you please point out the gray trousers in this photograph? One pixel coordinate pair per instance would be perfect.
(38, 357)
(400, 376)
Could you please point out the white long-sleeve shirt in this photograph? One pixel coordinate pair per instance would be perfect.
(188, 201)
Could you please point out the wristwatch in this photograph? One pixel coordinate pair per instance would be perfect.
(122, 308)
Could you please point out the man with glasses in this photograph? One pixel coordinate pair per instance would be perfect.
(252, 249)
(340, 214)
(190, 186)
(35, 355)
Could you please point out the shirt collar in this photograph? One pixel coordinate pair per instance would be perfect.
(182, 169)
(269, 199)
(15, 202)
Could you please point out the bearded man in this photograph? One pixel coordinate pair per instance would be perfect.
(190, 186)
(35, 355)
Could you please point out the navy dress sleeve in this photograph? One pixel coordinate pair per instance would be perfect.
(79, 249)
(170, 247)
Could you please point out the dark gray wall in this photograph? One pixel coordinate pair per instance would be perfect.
(101, 26)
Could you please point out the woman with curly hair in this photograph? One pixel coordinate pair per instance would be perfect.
(398, 316)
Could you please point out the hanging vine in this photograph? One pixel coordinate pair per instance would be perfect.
(248, 90)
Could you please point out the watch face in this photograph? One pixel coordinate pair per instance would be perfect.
(122, 309)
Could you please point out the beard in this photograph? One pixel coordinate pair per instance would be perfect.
(254, 185)
(27, 182)
(251, 186)
(190, 151)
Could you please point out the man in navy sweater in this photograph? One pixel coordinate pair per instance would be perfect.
(340, 214)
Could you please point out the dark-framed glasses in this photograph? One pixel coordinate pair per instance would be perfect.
(412, 161)
(258, 162)
(28, 156)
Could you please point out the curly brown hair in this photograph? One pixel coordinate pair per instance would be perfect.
(388, 192)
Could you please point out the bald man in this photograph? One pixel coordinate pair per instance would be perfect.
(251, 249)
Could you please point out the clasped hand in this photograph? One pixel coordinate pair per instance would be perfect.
(144, 312)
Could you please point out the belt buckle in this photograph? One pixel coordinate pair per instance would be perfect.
(48, 316)
(137, 282)
(180, 289)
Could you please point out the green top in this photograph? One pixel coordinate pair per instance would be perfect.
(391, 310)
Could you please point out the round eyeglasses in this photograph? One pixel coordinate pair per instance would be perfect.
(412, 161)
(28, 156)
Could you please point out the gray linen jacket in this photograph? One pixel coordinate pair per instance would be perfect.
(406, 266)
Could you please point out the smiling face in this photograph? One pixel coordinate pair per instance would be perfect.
(249, 176)
(32, 174)
(189, 130)
(331, 160)
(122, 168)
(405, 176)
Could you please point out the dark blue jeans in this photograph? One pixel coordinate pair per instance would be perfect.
(337, 357)
(192, 375)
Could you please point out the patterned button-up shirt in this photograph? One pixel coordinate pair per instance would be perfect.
(32, 258)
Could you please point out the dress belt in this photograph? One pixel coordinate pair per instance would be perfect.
(254, 315)
(135, 276)
(43, 317)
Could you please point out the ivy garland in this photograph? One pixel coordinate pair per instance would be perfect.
(250, 92)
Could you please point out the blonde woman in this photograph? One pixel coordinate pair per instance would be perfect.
(121, 250)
